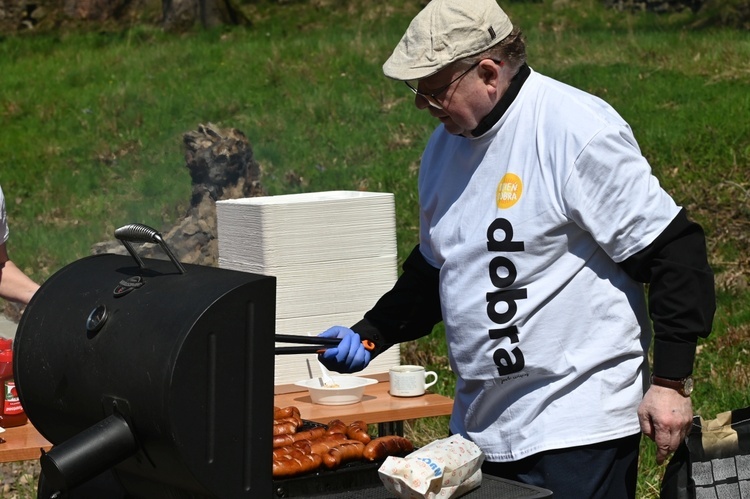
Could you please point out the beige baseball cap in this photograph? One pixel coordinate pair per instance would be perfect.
(444, 32)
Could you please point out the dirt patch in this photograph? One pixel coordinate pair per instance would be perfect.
(18, 479)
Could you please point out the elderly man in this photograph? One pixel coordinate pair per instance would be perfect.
(14, 284)
(540, 222)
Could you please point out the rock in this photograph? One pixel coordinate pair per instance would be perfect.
(12, 310)
(182, 15)
(92, 10)
(222, 166)
(118, 15)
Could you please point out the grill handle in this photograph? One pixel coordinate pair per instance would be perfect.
(139, 233)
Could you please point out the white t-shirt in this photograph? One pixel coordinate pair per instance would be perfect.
(547, 335)
(3, 219)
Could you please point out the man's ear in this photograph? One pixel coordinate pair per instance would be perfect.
(489, 71)
(491, 74)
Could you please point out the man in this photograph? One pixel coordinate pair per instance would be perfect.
(14, 284)
(540, 222)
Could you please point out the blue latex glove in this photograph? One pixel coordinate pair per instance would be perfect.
(349, 356)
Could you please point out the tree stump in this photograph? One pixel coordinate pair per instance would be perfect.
(173, 15)
(180, 15)
(222, 166)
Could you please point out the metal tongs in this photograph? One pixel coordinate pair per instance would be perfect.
(310, 344)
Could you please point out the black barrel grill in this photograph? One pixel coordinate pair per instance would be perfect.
(156, 374)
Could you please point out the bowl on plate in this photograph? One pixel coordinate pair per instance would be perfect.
(342, 391)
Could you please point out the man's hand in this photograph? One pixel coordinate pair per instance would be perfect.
(666, 418)
(349, 356)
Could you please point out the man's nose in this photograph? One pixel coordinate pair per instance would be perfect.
(421, 102)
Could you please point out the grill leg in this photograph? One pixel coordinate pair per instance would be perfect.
(391, 428)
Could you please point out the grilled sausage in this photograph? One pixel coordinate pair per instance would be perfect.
(290, 452)
(325, 443)
(348, 450)
(358, 431)
(293, 466)
(284, 427)
(382, 447)
(289, 439)
(291, 419)
(303, 446)
(336, 426)
(285, 412)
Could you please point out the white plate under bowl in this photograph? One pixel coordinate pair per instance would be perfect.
(350, 390)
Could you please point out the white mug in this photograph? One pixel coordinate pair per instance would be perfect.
(410, 381)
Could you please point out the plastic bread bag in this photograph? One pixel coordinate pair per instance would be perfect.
(444, 468)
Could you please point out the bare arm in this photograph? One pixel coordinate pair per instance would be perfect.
(14, 284)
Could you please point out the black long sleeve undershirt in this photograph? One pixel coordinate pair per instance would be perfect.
(681, 298)
(408, 311)
(681, 294)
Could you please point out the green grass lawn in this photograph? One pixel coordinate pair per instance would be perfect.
(91, 128)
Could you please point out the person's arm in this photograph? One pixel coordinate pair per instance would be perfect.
(408, 311)
(682, 303)
(681, 294)
(14, 284)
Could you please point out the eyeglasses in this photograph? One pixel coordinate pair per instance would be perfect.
(432, 97)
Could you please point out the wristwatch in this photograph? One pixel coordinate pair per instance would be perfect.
(684, 385)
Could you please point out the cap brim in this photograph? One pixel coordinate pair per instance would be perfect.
(396, 71)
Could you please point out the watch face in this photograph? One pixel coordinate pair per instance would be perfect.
(688, 386)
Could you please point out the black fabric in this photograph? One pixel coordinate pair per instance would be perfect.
(681, 293)
(504, 103)
(596, 471)
(713, 461)
(408, 311)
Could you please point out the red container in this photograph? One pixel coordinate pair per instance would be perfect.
(11, 412)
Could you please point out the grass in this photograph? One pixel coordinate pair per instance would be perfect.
(92, 126)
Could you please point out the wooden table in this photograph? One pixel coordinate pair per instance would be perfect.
(377, 407)
(22, 443)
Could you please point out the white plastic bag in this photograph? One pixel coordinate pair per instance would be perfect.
(444, 468)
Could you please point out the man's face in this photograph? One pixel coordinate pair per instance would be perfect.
(465, 95)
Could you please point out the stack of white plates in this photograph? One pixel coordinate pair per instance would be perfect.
(333, 255)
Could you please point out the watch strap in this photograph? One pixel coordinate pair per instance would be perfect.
(684, 386)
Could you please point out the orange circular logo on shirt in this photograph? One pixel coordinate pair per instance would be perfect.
(508, 191)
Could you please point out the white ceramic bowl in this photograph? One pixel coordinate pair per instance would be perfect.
(350, 390)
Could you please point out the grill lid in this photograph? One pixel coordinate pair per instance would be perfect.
(162, 372)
